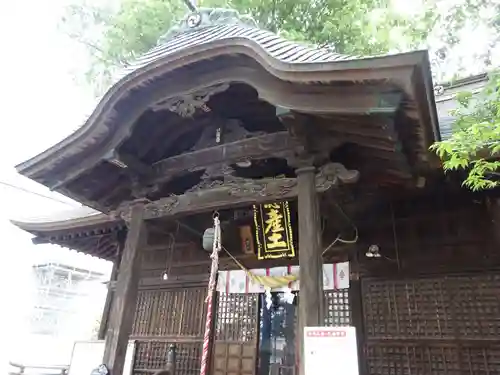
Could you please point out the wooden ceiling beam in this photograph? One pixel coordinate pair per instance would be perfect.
(375, 143)
(377, 129)
(280, 144)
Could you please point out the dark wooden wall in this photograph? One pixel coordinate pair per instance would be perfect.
(429, 305)
(433, 233)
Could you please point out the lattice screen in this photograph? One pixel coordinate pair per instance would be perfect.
(152, 355)
(475, 304)
(452, 307)
(432, 359)
(440, 326)
(237, 317)
(163, 313)
(235, 349)
(337, 308)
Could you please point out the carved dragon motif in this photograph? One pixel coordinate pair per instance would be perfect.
(165, 208)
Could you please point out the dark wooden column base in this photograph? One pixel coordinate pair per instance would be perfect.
(123, 306)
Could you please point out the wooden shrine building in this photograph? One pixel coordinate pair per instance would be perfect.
(318, 166)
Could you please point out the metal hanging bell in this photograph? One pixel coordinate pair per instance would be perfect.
(208, 239)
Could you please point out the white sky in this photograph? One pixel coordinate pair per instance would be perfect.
(39, 105)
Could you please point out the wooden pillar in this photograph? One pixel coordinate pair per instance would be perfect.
(357, 317)
(310, 257)
(106, 311)
(123, 306)
(103, 327)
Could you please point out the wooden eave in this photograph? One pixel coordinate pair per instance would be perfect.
(283, 64)
(94, 234)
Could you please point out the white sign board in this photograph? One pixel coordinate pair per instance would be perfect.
(88, 355)
(329, 350)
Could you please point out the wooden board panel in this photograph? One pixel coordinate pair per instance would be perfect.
(234, 358)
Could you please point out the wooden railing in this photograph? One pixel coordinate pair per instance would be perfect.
(37, 370)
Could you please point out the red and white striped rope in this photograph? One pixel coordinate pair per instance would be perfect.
(210, 295)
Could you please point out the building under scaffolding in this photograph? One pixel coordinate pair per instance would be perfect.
(60, 291)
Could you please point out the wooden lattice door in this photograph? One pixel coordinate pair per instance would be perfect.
(164, 317)
(236, 334)
(437, 325)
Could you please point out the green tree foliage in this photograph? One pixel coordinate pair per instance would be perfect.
(116, 34)
(475, 143)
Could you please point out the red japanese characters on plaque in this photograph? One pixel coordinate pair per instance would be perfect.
(325, 333)
(326, 345)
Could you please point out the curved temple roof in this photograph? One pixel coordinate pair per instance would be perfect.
(87, 216)
(64, 220)
(202, 36)
(82, 229)
(183, 45)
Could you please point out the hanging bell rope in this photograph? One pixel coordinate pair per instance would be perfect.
(216, 247)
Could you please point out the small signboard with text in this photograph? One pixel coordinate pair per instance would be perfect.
(330, 350)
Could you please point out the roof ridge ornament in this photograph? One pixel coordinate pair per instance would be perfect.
(207, 17)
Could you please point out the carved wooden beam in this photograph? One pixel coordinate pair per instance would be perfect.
(240, 192)
(279, 144)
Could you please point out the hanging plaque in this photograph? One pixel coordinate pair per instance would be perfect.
(273, 231)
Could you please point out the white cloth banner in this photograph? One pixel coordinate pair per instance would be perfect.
(335, 276)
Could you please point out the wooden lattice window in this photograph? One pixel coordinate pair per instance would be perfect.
(435, 359)
(410, 359)
(237, 316)
(407, 309)
(337, 308)
(152, 355)
(475, 304)
(170, 313)
(451, 307)
(440, 325)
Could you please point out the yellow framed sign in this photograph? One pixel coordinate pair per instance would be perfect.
(273, 231)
